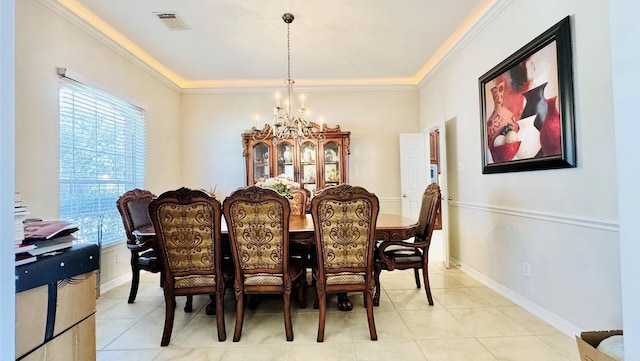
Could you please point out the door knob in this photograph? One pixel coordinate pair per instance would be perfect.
(404, 195)
(450, 199)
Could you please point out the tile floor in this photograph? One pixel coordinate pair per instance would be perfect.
(468, 322)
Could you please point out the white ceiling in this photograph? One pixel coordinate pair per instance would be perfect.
(243, 43)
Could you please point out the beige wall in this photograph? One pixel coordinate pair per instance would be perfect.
(212, 124)
(563, 222)
(45, 41)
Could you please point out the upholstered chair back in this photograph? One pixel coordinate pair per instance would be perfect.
(258, 223)
(187, 225)
(345, 221)
(428, 211)
(299, 202)
(133, 206)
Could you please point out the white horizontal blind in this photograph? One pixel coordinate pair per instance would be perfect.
(102, 143)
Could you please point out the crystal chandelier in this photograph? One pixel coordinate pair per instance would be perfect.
(287, 122)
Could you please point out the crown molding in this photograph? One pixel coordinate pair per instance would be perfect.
(483, 15)
(74, 19)
(462, 37)
(307, 89)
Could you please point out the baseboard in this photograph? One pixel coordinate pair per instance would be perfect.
(118, 281)
(551, 318)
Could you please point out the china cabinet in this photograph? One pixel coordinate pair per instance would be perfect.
(314, 163)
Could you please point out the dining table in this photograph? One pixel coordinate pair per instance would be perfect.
(301, 231)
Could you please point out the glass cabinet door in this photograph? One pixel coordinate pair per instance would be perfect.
(308, 167)
(261, 168)
(331, 164)
(284, 153)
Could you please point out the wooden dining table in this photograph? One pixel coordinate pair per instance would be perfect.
(388, 227)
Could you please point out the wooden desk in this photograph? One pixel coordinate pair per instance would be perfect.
(388, 227)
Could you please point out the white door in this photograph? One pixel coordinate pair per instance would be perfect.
(413, 172)
(442, 181)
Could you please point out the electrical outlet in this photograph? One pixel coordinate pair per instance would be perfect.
(526, 269)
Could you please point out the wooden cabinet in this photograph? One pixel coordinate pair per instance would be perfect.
(434, 151)
(314, 163)
(434, 147)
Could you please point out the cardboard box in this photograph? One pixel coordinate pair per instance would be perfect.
(588, 341)
(75, 301)
(56, 305)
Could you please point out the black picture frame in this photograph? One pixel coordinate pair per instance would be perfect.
(527, 107)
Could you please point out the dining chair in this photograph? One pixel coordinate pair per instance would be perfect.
(413, 254)
(300, 250)
(188, 231)
(133, 206)
(344, 220)
(298, 202)
(258, 223)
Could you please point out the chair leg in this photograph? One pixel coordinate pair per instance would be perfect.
(135, 279)
(170, 305)
(222, 331)
(322, 304)
(377, 269)
(188, 306)
(211, 308)
(417, 276)
(288, 327)
(239, 317)
(427, 286)
(302, 290)
(368, 302)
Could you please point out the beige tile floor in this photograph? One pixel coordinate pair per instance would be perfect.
(467, 322)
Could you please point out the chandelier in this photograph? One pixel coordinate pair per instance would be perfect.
(287, 122)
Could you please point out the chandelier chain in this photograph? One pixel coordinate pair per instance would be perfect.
(288, 54)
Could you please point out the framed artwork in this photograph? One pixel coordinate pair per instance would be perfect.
(526, 106)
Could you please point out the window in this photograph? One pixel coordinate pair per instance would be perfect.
(102, 142)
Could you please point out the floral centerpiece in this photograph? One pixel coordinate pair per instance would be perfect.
(282, 184)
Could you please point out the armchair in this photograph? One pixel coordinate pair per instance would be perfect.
(411, 254)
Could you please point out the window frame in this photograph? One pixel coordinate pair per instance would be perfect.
(102, 155)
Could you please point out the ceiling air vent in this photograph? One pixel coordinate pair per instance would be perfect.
(172, 20)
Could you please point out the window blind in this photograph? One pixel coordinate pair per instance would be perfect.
(102, 144)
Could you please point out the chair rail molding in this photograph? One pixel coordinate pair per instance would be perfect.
(544, 216)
